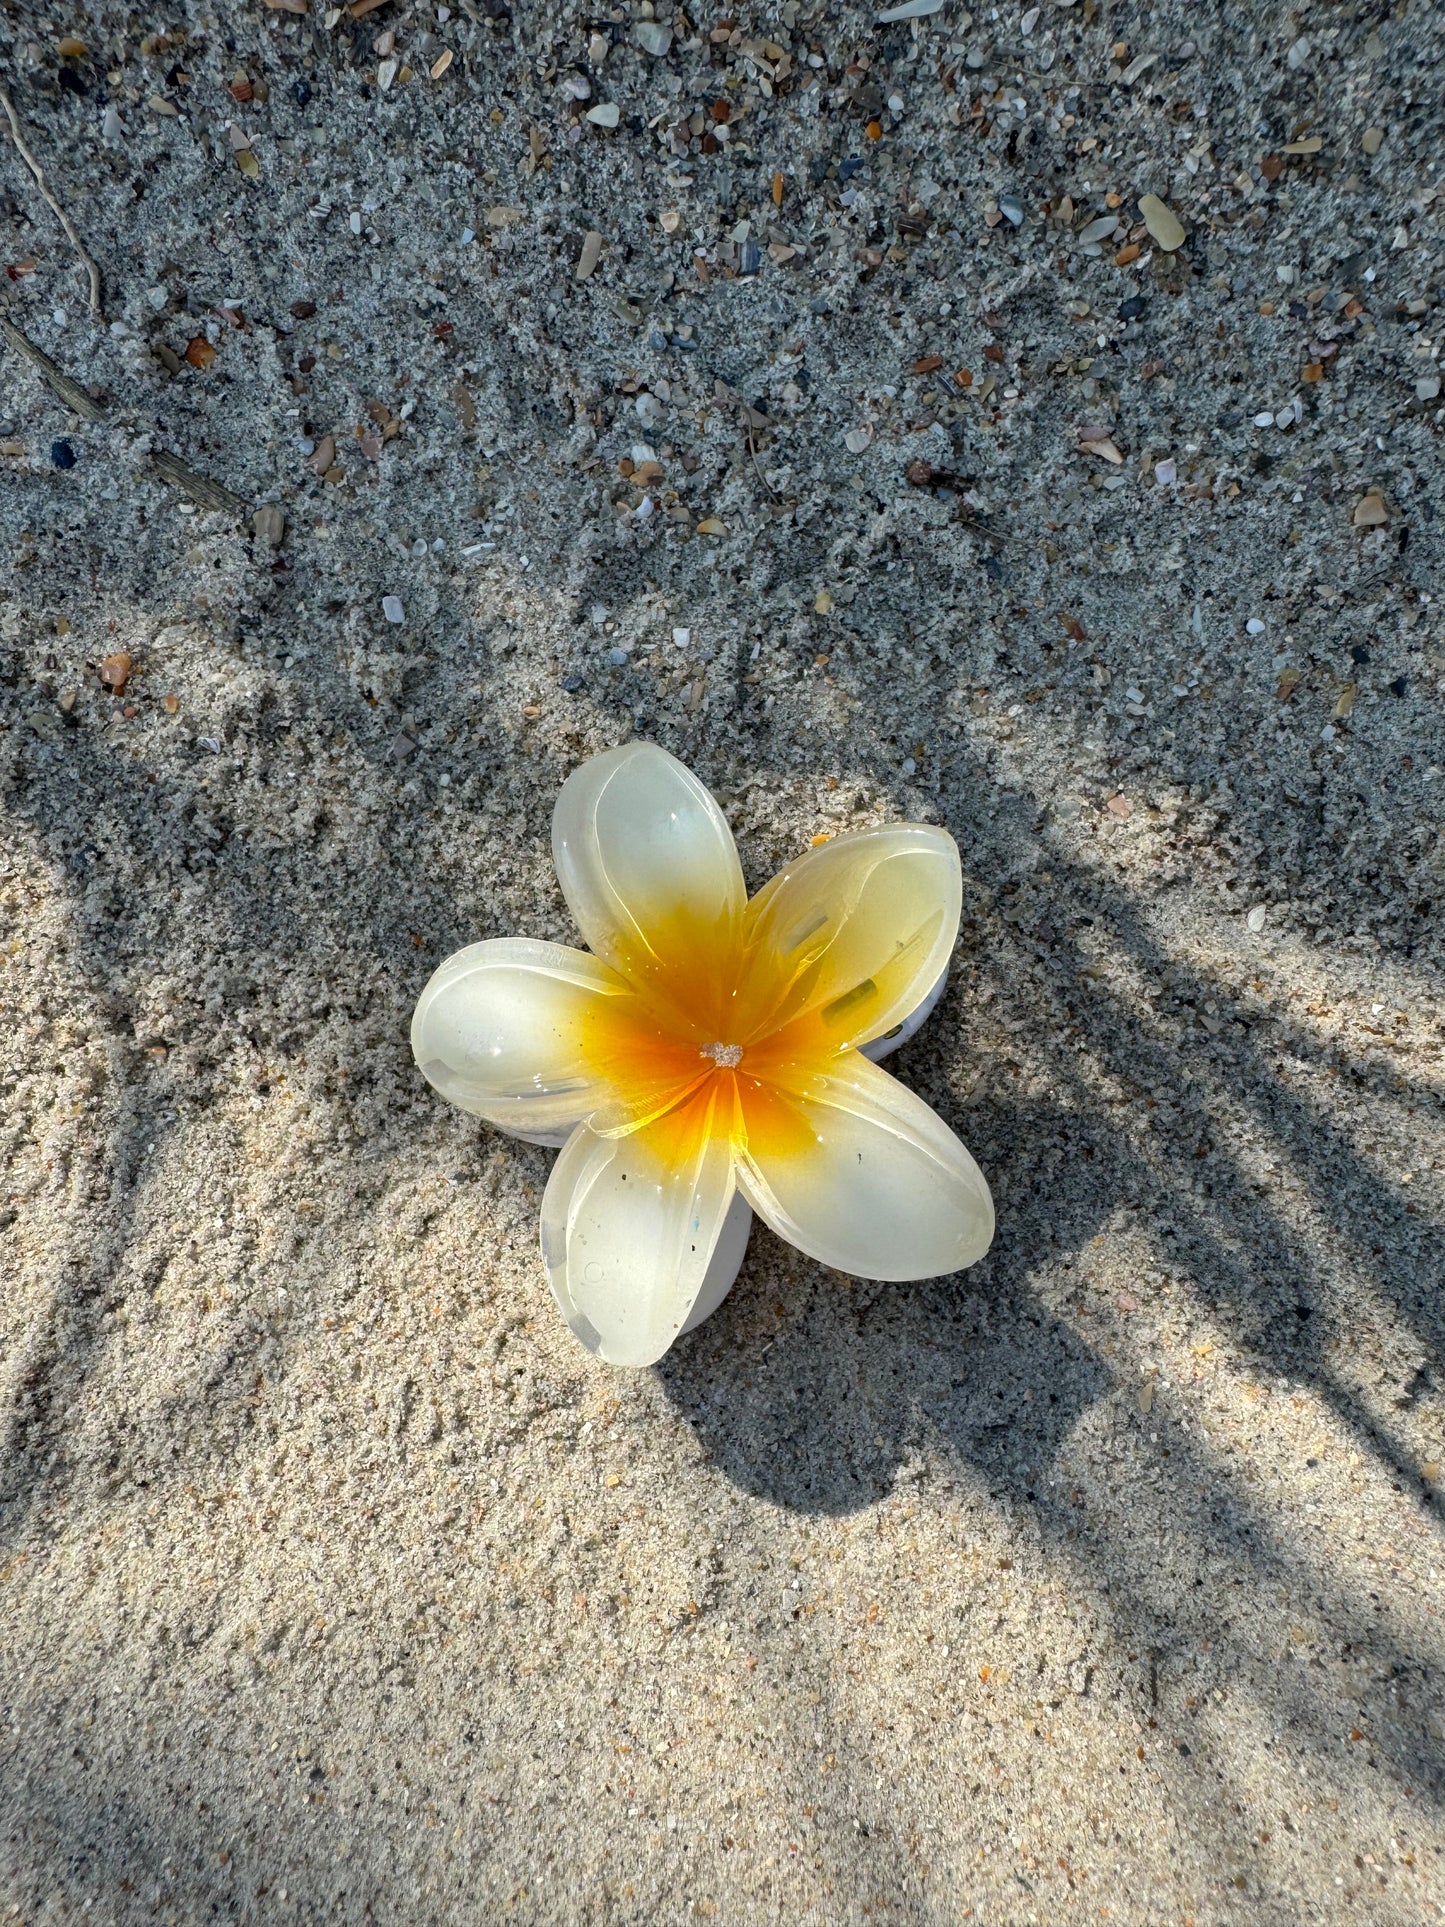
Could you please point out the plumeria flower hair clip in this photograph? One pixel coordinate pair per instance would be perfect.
(710, 1057)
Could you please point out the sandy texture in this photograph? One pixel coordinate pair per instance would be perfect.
(1101, 1583)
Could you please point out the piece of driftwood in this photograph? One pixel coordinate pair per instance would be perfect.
(201, 489)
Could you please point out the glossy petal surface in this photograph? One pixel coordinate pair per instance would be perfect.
(629, 1225)
(532, 1036)
(845, 942)
(649, 870)
(852, 1168)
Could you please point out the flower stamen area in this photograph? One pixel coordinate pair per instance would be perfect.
(727, 1057)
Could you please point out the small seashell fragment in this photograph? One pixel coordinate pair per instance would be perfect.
(1162, 222)
(1370, 511)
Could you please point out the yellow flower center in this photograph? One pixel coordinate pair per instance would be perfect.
(727, 1057)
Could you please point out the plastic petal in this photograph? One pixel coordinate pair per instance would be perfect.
(649, 869)
(503, 1029)
(628, 1232)
(855, 1170)
(853, 936)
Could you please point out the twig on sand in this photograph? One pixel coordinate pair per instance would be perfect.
(201, 489)
(56, 209)
(752, 450)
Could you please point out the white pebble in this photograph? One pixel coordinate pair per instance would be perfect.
(681, 638)
(1256, 917)
(391, 608)
(1255, 626)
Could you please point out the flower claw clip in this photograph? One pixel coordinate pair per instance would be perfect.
(712, 1057)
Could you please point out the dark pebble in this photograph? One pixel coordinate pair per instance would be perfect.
(71, 81)
(994, 567)
(573, 683)
(1131, 309)
(302, 90)
(62, 455)
(750, 258)
(1359, 654)
(847, 169)
(1399, 686)
(303, 310)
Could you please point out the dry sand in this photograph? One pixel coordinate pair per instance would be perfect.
(337, 1584)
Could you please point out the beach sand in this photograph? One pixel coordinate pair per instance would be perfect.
(1099, 1583)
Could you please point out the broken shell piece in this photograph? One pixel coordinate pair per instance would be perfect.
(1370, 511)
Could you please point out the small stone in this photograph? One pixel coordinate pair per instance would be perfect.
(711, 525)
(323, 456)
(605, 114)
(1012, 209)
(591, 254)
(682, 638)
(62, 455)
(857, 439)
(1255, 921)
(910, 10)
(653, 37)
(1370, 511)
(1427, 388)
(199, 352)
(391, 608)
(1373, 139)
(269, 525)
(1162, 222)
(1254, 627)
(115, 671)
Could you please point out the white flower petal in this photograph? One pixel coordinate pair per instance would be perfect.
(855, 1170)
(649, 870)
(629, 1226)
(854, 935)
(502, 1029)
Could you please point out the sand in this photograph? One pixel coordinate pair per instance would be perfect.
(1099, 1583)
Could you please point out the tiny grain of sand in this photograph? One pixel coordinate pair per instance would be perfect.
(1099, 1584)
